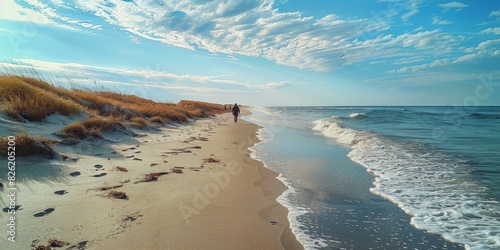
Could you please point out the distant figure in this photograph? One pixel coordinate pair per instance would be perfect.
(236, 112)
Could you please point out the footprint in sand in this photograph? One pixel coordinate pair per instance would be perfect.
(61, 192)
(137, 152)
(45, 212)
(7, 209)
(76, 173)
(100, 175)
(130, 156)
(98, 166)
(137, 159)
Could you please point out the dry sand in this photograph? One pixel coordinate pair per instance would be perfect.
(223, 199)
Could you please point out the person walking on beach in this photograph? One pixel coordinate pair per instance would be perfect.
(236, 112)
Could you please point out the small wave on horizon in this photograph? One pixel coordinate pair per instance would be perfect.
(358, 115)
(485, 116)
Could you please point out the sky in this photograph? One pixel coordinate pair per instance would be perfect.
(262, 52)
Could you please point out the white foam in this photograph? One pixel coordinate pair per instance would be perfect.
(264, 115)
(355, 115)
(435, 189)
(286, 198)
(276, 120)
(330, 128)
(293, 214)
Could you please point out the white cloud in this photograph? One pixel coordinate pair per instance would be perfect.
(495, 13)
(495, 31)
(10, 10)
(254, 28)
(250, 28)
(451, 5)
(439, 41)
(480, 59)
(413, 7)
(437, 20)
(286, 38)
(404, 8)
(420, 28)
(273, 85)
(142, 77)
(37, 12)
(488, 46)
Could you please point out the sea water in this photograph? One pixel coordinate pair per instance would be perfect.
(386, 177)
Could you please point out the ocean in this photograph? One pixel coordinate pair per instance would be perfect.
(386, 177)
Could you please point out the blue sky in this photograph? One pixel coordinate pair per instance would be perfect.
(263, 52)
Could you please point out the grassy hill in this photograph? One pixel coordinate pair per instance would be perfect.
(26, 99)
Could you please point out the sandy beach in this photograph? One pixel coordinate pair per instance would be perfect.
(191, 186)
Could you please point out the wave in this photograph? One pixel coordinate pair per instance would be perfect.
(278, 119)
(358, 115)
(485, 116)
(330, 127)
(435, 189)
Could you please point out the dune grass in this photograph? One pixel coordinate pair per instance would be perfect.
(34, 99)
(128, 106)
(139, 122)
(22, 97)
(31, 99)
(27, 99)
(159, 120)
(28, 145)
(93, 126)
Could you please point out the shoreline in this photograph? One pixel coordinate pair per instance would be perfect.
(229, 202)
(331, 192)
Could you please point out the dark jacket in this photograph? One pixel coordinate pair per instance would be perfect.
(236, 110)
